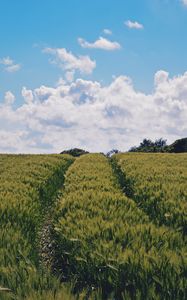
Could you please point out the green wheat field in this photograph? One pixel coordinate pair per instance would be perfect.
(93, 227)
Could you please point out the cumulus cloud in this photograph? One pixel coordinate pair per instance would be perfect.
(101, 43)
(7, 61)
(12, 140)
(70, 76)
(27, 95)
(69, 62)
(9, 65)
(13, 68)
(133, 25)
(107, 31)
(89, 115)
(9, 98)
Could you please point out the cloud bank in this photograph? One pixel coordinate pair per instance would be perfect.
(88, 115)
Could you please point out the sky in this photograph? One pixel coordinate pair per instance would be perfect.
(97, 75)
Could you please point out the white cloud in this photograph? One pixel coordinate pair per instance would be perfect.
(134, 25)
(7, 61)
(184, 2)
(107, 31)
(70, 76)
(161, 77)
(101, 43)
(27, 95)
(9, 98)
(69, 62)
(86, 114)
(9, 65)
(12, 140)
(13, 68)
(61, 81)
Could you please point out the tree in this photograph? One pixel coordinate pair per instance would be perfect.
(179, 146)
(148, 145)
(111, 152)
(160, 143)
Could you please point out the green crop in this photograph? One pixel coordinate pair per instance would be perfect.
(158, 185)
(106, 241)
(28, 185)
(112, 228)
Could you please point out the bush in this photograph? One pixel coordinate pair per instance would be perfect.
(75, 152)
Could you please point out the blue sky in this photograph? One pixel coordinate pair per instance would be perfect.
(144, 37)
